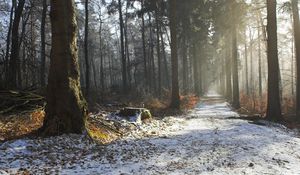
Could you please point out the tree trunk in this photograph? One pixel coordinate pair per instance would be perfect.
(34, 74)
(196, 72)
(246, 66)
(43, 44)
(184, 59)
(25, 66)
(166, 72)
(251, 64)
(228, 75)
(101, 57)
(201, 73)
(235, 72)
(151, 57)
(175, 101)
(66, 108)
(223, 74)
(264, 39)
(259, 63)
(144, 50)
(128, 66)
(273, 107)
(123, 57)
(8, 39)
(92, 57)
(110, 65)
(297, 49)
(14, 57)
(292, 67)
(157, 20)
(86, 54)
(235, 69)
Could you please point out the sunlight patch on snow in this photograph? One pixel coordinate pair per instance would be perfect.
(212, 93)
(215, 110)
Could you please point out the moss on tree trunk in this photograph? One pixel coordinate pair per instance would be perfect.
(66, 109)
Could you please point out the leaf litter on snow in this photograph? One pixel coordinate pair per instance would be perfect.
(206, 141)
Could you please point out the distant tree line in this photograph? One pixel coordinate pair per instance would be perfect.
(146, 47)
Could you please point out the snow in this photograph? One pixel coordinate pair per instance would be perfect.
(206, 141)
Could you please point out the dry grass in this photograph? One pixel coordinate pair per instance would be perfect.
(253, 105)
(189, 101)
(15, 126)
(102, 135)
(258, 105)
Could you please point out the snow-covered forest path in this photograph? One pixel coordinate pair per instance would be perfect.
(209, 140)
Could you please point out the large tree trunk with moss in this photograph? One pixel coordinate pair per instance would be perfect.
(273, 107)
(66, 108)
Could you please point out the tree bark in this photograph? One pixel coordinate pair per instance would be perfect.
(151, 56)
(123, 57)
(297, 49)
(66, 108)
(144, 50)
(184, 59)
(223, 74)
(228, 75)
(92, 58)
(101, 57)
(157, 20)
(196, 72)
(273, 107)
(43, 44)
(8, 40)
(246, 66)
(166, 72)
(251, 64)
(127, 54)
(235, 72)
(292, 67)
(175, 101)
(14, 61)
(86, 54)
(259, 63)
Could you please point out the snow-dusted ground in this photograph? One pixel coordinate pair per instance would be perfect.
(207, 141)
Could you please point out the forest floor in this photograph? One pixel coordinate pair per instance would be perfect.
(210, 139)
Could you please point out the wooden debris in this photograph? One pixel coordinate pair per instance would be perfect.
(18, 101)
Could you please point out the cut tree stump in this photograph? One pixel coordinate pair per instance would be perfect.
(135, 115)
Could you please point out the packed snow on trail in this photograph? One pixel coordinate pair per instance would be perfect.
(209, 140)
